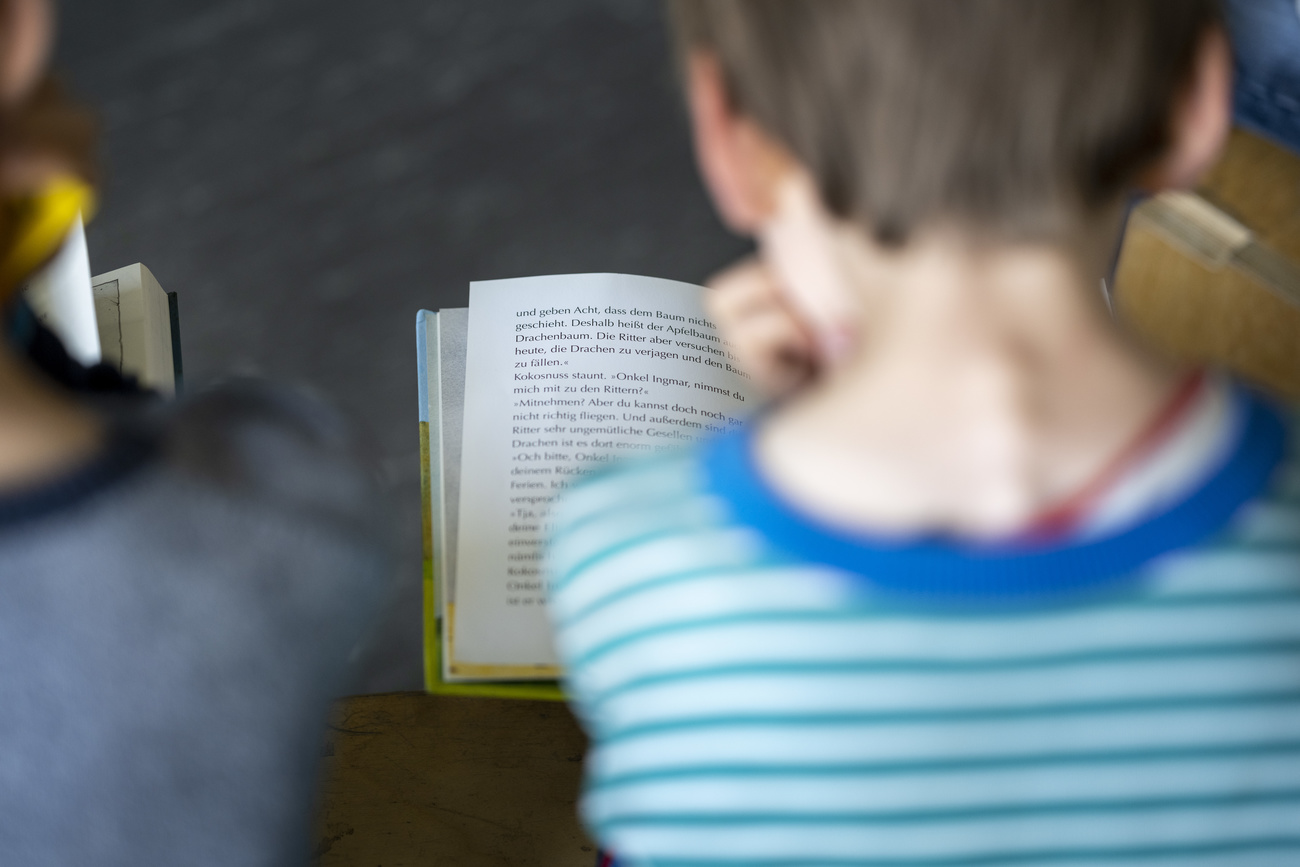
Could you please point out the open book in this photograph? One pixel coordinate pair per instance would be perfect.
(539, 381)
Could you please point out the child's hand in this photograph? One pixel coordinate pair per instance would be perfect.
(768, 337)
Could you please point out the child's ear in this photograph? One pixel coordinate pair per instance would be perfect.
(742, 166)
(1201, 119)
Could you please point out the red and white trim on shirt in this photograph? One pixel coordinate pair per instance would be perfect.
(1174, 453)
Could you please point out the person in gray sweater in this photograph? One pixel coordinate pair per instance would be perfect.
(183, 586)
(179, 607)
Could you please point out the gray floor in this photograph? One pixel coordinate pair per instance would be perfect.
(306, 174)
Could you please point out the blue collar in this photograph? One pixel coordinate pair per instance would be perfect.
(1005, 572)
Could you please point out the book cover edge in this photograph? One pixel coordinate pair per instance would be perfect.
(426, 505)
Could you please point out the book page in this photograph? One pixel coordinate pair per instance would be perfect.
(564, 375)
(60, 295)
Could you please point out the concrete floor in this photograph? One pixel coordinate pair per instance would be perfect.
(306, 174)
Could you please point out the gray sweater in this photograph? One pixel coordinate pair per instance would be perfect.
(176, 616)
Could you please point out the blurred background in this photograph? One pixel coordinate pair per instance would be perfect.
(307, 174)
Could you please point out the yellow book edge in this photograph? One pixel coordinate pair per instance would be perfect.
(433, 680)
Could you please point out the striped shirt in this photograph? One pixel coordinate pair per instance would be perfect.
(761, 689)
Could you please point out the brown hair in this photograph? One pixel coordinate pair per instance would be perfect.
(1011, 116)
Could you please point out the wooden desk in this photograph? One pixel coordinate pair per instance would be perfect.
(413, 779)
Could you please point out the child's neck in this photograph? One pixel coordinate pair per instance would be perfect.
(986, 386)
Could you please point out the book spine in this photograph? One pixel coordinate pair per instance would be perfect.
(174, 320)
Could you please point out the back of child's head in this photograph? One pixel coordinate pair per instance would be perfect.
(1015, 118)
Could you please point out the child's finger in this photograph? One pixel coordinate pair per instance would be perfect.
(742, 289)
(748, 290)
(774, 350)
(771, 346)
(765, 333)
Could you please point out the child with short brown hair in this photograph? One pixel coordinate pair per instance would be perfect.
(992, 584)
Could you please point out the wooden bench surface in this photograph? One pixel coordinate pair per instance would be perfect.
(414, 779)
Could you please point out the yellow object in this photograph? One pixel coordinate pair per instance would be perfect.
(43, 222)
